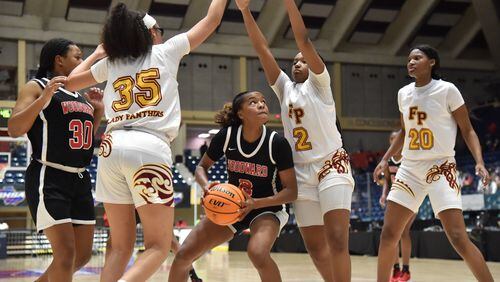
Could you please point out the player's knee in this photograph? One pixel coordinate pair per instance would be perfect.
(82, 258)
(337, 240)
(122, 248)
(458, 238)
(183, 257)
(318, 252)
(406, 234)
(64, 259)
(65, 252)
(389, 236)
(159, 247)
(258, 256)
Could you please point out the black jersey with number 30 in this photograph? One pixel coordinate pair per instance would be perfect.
(63, 131)
(253, 166)
(393, 168)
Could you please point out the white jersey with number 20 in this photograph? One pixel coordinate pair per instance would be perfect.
(430, 129)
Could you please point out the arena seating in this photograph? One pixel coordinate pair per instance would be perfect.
(365, 205)
(216, 173)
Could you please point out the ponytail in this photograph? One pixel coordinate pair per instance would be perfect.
(225, 117)
(124, 35)
(51, 49)
(228, 116)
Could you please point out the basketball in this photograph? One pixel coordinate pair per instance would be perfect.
(222, 203)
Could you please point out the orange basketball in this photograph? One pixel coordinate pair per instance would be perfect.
(222, 203)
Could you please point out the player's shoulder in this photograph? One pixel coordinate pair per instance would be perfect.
(446, 84)
(408, 88)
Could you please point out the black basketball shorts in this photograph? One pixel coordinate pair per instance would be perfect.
(56, 196)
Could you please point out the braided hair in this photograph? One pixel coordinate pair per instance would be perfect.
(51, 49)
(432, 54)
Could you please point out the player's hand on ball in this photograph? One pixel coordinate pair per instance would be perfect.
(242, 4)
(94, 97)
(381, 167)
(247, 206)
(484, 174)
(208, 187)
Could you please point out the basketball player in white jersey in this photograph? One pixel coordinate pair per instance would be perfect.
(325, 184)
(142, 108)
(430, 109)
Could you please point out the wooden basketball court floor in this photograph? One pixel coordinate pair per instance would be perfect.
(221, 266)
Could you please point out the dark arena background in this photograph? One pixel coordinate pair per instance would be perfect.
(364, 43)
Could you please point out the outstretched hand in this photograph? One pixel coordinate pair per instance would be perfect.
(94, 97)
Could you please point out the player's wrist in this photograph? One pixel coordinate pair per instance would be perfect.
(257, 203)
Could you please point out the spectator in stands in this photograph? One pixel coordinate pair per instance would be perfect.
(60, 126)
(431, 110)
(324, 175)
(143, 113)
(181, 223)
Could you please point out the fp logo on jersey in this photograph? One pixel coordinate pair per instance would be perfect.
(421, 116)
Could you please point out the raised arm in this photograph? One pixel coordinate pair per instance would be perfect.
(259, 42)
(81, 77)
(206, 26)
(316, 64)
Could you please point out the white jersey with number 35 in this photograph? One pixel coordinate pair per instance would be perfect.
(143, 93)
(430, 127)
(308, 114)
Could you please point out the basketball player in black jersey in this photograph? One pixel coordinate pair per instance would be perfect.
(60, 126)
(398, 274)
(269, 182)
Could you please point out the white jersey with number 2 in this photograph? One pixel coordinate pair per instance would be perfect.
(308, 114)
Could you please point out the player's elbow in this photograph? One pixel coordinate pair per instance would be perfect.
(214, 19)
(303, 40)
(292, 196)
(14, 131)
